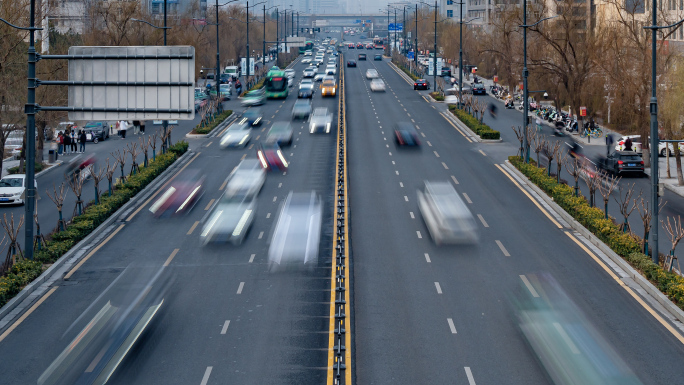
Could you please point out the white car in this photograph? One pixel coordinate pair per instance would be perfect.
(637, 145)
(308, 52)
(306, 60)
(330, 70)
(447, 218)
(297, 232)
(237, 135)
(309, 72)
(13, 189)
(377, 85)
(290, 73)
(320, 120)
(371, 73)
(230, 219)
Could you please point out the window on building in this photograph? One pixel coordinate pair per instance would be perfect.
(450, 13)
(450, 2)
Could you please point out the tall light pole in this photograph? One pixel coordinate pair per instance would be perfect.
(248, 59)
(434, 61)
(395, 31)
(415, 49)
(285, 30)
(403, 33)
(460, 54)
(277, 37)
(297, 23)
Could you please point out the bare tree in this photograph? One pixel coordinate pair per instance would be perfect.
(520, 134)
(57, 198)
(134, 151)
(145, 143)
(626, 204)
(606, 185)
(97, 178)
(646, 214)
(560, 159)
(593, 180)
(120, 156)
(574, 168)
(76, 185)
(538, 143)
(676, 233)
(550, 150)
(14, 248)
(109, 173)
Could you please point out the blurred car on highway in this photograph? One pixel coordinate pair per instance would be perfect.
(328, 87)
(447, 218)
(362, 56)
(622, 162)
(351, 63)
(280, 133)
(377, 85)
(230, 219)
(181, 196)
(377, 57)
(301, 109)
(309, 72)
(320, 120)
(254, 98)
(405, 134)
(421, 84)
(297, 232)
(252, 116)
(372, 73)
(271, 157)
(224, 89)
(319, 76)
(330, 70)
(306, 89)
(13, 189)
(237, 135)
(479, 89)
(79, 166)
(306, 60)
(247, 178)
(290, 73)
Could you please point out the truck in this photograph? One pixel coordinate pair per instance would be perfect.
(231, 70)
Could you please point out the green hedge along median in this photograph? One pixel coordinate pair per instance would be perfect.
(481, 129)
(626, 245)
(199, 130)
(25, 271)
(437, 96)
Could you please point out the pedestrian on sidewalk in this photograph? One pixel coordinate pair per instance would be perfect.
(539, 122)
(628, 144)
(142, 127)
(74, 141)
(60, 143)
(609, 143)
(136, 127)
(82, 141)
(123, 127)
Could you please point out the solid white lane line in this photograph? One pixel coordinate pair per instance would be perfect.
(469, 374)
(482, 220)
(411, 214)
(401, 184)
(503, 249)
(207, 373)
(436, 154)
(529, 286)
(261, 234)
(242, 284)
(451, 325)
(405, 198)
(439, 288)
(225, 327)
(427, 258)
(419, 236)
(467, 198)
(482, 152)
(251, 258)
(454, 179)
(445, 166)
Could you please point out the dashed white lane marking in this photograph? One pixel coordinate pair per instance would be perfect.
(413, 121)
(411, 214)
(469, 374)
(482, 220)
(427, 257)
(451, 325)
(207, 373)
(292, 154)
(439, 288)
(445, 166)
(397, 172)
(390, 154)
(243, 156)
(401, 184)
(454, 179)
(384, 138)
(280, 185)
(251, 258)
(429, 144)
(224, 329)
(422, 134)
(242, 284)
(529, 286)
(418, 128)
(467, 198)
(208, 144)
(387, 145)
(261, 234)
(268, 215)
(419, 236)
(275, 198)
(405, 198)
(482, 152)
(503, 249)
(436, 154)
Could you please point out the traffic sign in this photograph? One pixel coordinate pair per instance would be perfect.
(398, 27)
(357, 21)
(410, 55)
(496, 79)
(583, 111)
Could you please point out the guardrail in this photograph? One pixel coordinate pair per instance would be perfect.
(339, 354)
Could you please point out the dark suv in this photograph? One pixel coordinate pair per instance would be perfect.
(479, 89)
(621, 162)
(362, 56)
(98, 130)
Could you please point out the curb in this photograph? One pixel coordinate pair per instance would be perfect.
(30, 293)
(647, 286)
(200, 136)
(471, 132)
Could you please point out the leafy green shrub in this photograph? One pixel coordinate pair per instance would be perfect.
(207, 129)
(38, 168)
(481, 129)
(437, 96)
(628, 246)
(20, 275)
(407, 71)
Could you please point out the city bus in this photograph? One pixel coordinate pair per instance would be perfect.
(276, 84)
(308, 46)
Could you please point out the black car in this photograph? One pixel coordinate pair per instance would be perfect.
(224, 79)
(351, 63)
(377, 57)
(362, 56)
(446, 71)
(98, 130)
(479, 89)
(405, 134)
(306, 93)
(421, 84)
(622, 162)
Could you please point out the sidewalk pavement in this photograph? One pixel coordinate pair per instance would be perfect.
(11, 162)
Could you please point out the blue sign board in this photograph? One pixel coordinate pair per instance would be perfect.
(368, 21)
(410, 55)
(357, 21)
(398, 27)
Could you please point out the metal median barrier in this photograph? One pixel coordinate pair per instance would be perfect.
(339, 347)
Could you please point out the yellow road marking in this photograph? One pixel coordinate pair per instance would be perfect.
(194, 225)
(629, 290)
(223, 185)
(208, 144)
(161, 189)
(454, 126)
(426, 99)
(87, 257)
(209, 205)
(28, 313)
(482, 152)
(529, 196)
(174, 252)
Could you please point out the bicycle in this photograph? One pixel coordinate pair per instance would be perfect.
(595, 133)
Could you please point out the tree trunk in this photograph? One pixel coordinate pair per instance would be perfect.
(667, 161)
(678, 162)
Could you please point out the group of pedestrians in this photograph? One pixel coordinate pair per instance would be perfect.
(123, 126)
(71, 141)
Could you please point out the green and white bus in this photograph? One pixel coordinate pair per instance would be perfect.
(276, 84)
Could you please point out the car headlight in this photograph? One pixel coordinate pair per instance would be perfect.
(244, 139)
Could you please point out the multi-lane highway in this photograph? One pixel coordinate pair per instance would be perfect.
(421, 313)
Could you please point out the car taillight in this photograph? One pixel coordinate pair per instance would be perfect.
(620, 162)
(642, 162)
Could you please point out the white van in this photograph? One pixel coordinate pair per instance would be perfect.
(231, 70)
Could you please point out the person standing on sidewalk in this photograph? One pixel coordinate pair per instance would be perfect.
(123, 127)
(82, 141)
(142, 127)
(74, 141)
(136, 127)
(60, 143)
(539, 122)
(609, 143)
(67, 142)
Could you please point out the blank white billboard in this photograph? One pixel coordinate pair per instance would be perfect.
(136, 80)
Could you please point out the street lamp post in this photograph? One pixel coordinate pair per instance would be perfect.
(415, 49)
(388, 15)
(395, 31)
(434, 61)
(277, 37)
(285, 30)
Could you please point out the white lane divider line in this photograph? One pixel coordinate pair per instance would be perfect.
(422, 134)
(390, 153)
(482, 152)
(439, 288)
(413, 121)
(251, 258)
(207, 373)
(225, 327)
(280, 185)
(397, 172)
(275, 198)
(451, 325)
(401, 184)
(482, 220)
(411, 214)
(469, 374)
(394, 163)
(427, 258)
(454, 179)
(261, 234)
(242, 284)
(429, 144)
(387, 145)
(405, 198)
(417, 127)
(445, 166)
(419, 236)
(268, 215)
(436, 154)
(208, 144)
(503, 249)
(467, 198)
(529, 286)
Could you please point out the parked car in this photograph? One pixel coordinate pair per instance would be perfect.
(421, 84)
(13, 189)
(98, 130)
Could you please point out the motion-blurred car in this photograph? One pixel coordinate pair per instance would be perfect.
(371, 73)
(405, 134)
(301, 109)
(351, 63)
(297, 232)
(13, 189)
(230, 220)
(328, 88)
(98, 130)
(421, 84)
(181, 196)
(224, 89)
(622, 162)
(330, 70)
(377, 85)
(271, 157)
(320, 120)
(252, 116)
(247, 178)
(280, 133)
(237, 135)
(377, 57)
(362, 56)
(309, 72)
(79, 167)
(306, 89)
(479, 89)
(319, 76)
(254, 98)
(306, 60)
(446, 216)
(290, 73)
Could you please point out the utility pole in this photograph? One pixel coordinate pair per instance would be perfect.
(217, 76)
(165, 123)
(248, 57)
(403, 33)
(263, 49)
(415, 49)
(277, 37)
(388, 14)
(395, 31)
(285, 30)
(434, 62)
(297, 23)
(460, 55)
(30, 108)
